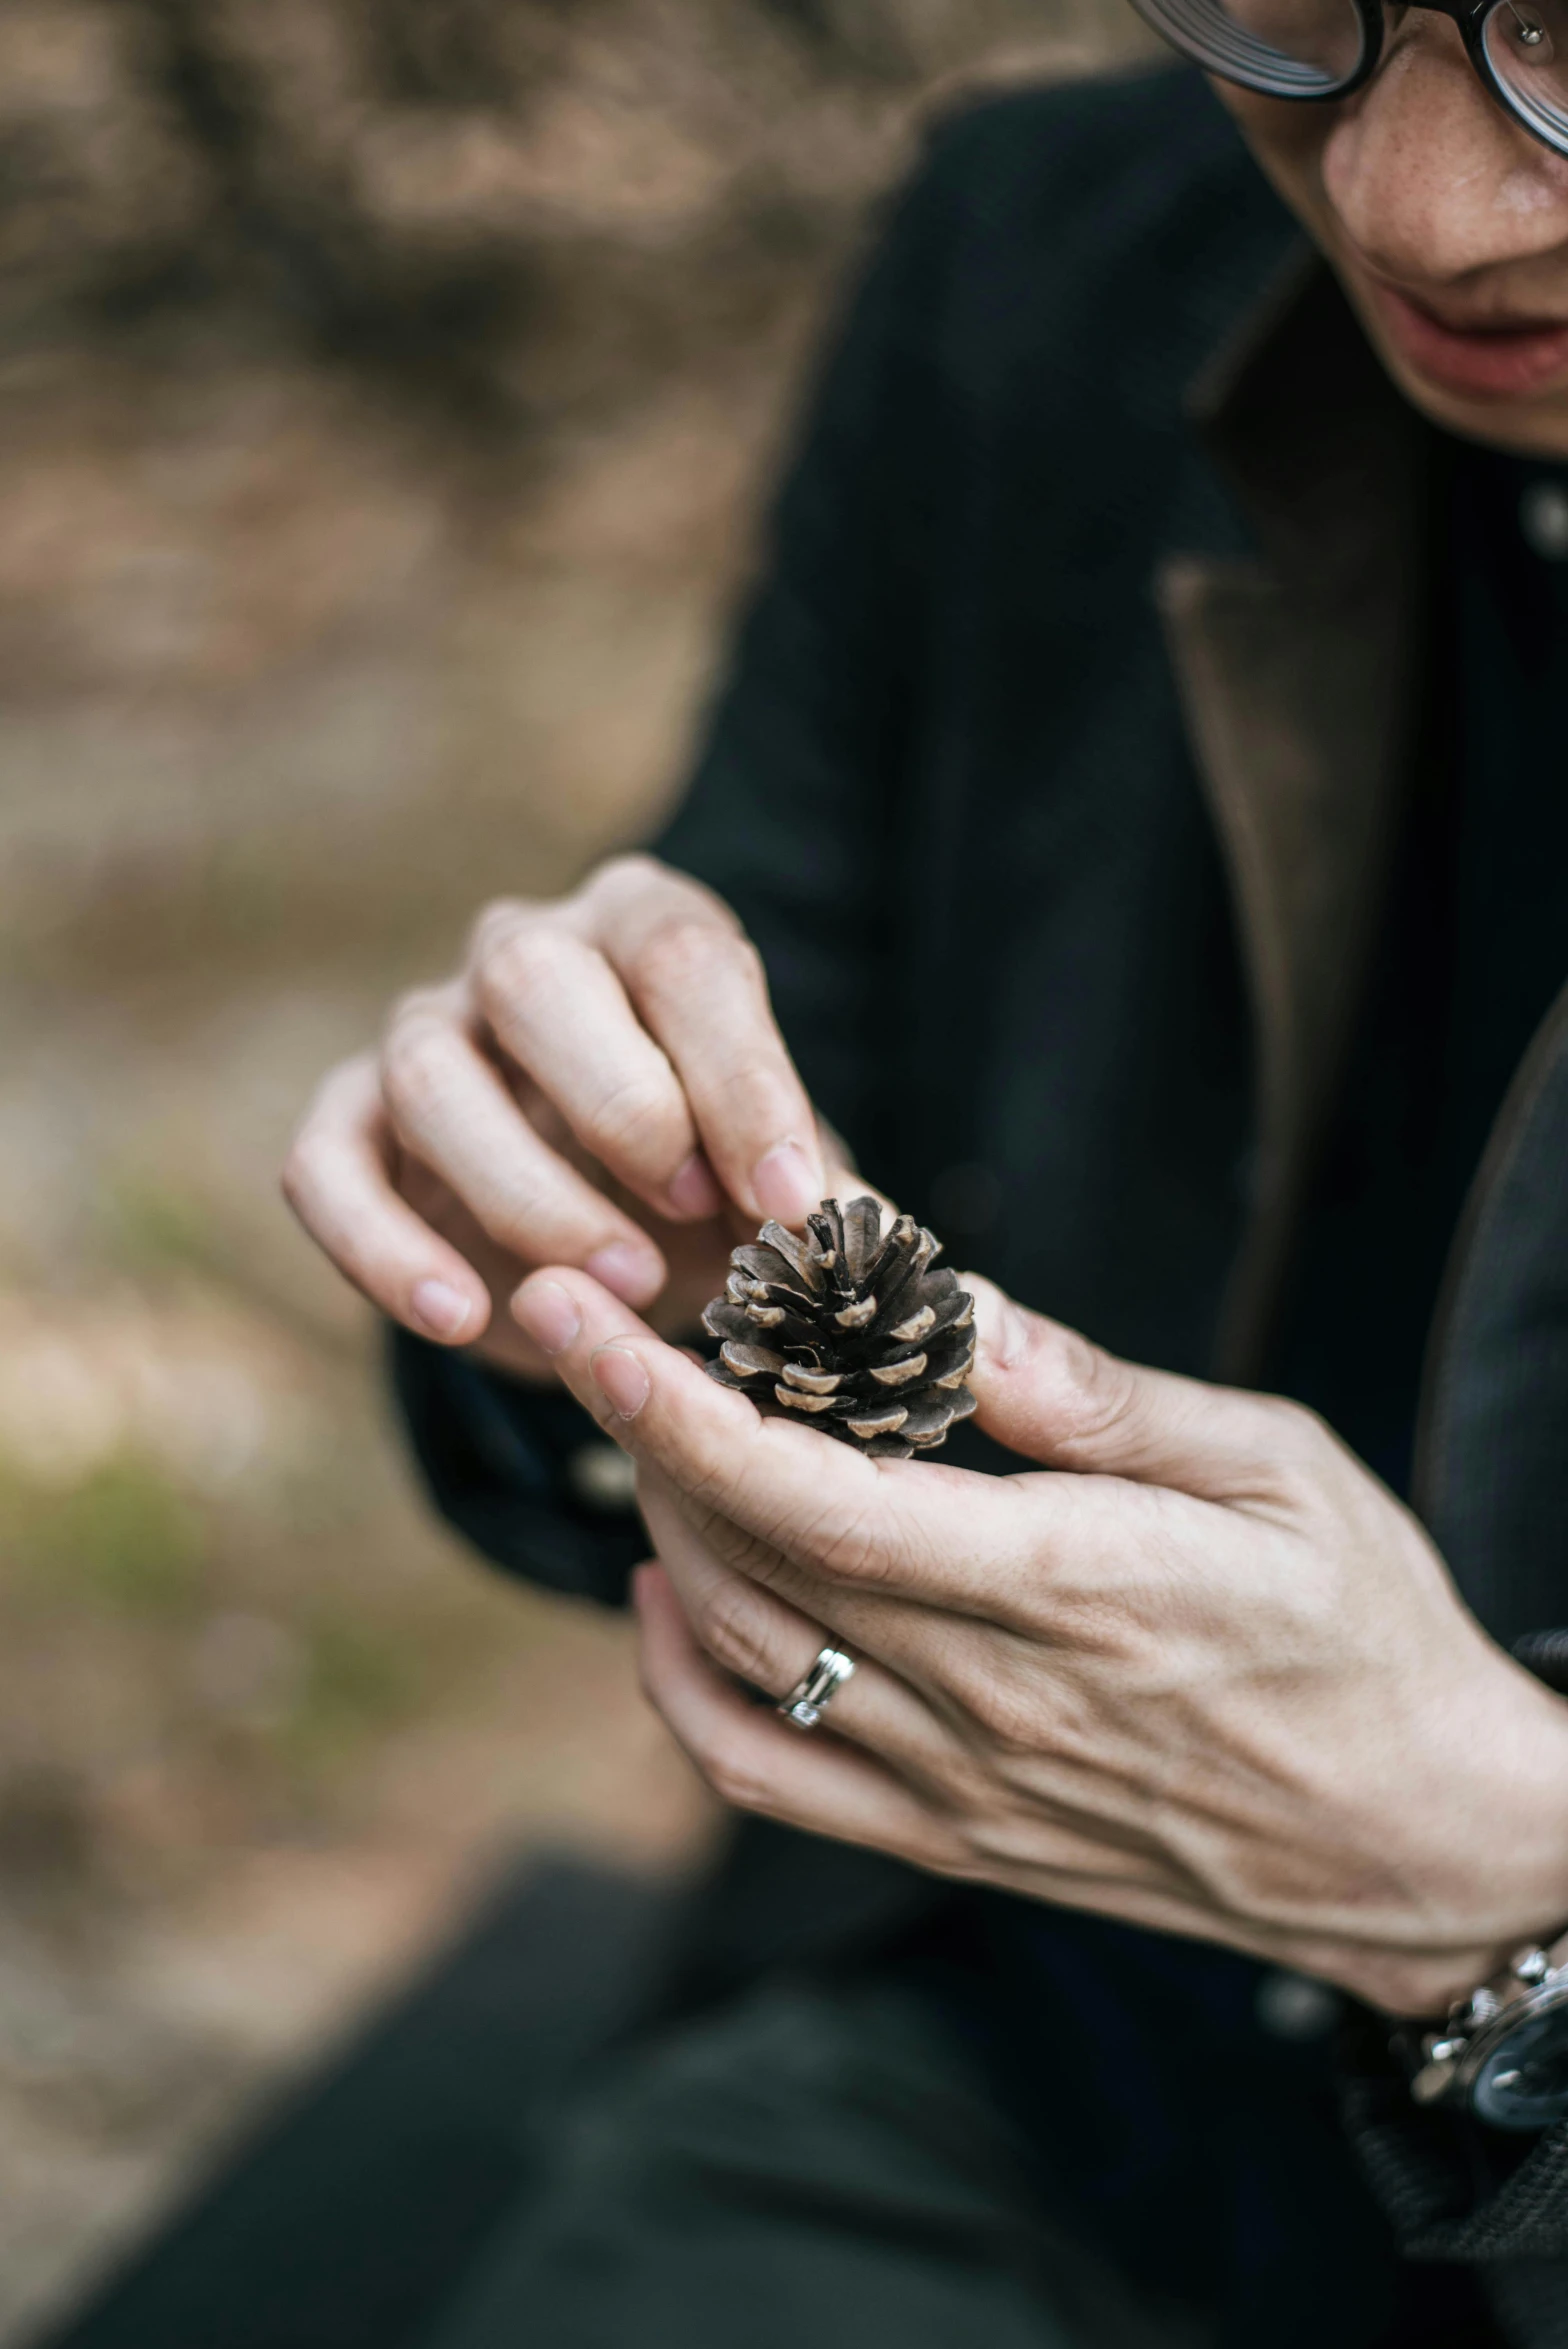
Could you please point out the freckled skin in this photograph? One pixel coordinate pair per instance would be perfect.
(1420, 183)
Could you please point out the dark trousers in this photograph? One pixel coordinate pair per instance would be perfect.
(971, 2141)
(814, 2164)
(828, 2161)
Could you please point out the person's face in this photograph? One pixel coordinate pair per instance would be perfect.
(1447, 224)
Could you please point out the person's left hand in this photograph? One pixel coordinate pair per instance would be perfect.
(1204, 1674)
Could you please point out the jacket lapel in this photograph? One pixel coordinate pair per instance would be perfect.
(1295, 672)
(1492, 1460)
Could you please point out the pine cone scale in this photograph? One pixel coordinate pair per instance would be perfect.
(796, 1255)
(793, 1400)
(916, 1326)
(886, 1424)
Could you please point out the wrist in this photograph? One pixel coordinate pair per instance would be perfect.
(1490, 1868)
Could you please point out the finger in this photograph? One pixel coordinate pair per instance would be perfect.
(448, 1106)
(697, 983)
(337, 1179)
(906, 1529)
(771, 1645)
(756, 1762)
(1046, 1392)
(558, 1009)
(503, 1344)
(931, 1694)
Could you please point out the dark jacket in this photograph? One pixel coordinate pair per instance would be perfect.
(1056, 776)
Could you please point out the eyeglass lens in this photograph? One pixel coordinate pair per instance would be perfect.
(1288, 48)
(1311, 48)
(1526, 45)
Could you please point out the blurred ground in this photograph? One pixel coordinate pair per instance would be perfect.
(385, 393)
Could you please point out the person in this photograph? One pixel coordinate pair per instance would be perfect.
(1134, 830)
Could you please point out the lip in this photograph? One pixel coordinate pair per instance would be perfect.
(1503, 362)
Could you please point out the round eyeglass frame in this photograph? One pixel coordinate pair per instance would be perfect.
(1299, 83)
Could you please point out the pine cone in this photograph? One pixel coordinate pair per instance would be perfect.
(850, 1330)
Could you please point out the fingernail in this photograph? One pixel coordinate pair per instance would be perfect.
(635, 1274)
(787, 1184)
(549, 1314)
(694, 1191)
(622, 1377)
(445, 1311)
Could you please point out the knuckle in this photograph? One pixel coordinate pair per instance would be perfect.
(847, 1547)
(492, 922)
(754, 1094)
(968, 1844)
(1299, 1433)
(1298, 1446)
(342, 1107)
(637, 1120)
(1104, 1389)
(691, 951)
(635, 883)
(708, 1494)
(414, 1064)
(732, 1626)
(707, 1501)
(618, 876)
(1009, 1715)
(519, 963)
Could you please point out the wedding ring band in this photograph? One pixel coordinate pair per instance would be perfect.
(810, 1697)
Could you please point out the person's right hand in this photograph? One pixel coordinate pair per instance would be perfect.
(602, 1086)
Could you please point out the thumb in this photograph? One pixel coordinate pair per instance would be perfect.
(1046, 1392)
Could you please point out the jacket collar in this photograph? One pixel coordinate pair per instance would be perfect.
(1296, 671)
(1299, 673)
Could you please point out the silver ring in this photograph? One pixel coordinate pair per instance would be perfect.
(810, 1697)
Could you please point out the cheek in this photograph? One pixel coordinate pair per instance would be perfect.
(1339, 163)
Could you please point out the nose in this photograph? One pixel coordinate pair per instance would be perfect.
(1430, 178)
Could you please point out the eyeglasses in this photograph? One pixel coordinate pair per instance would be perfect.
(1327, 48)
